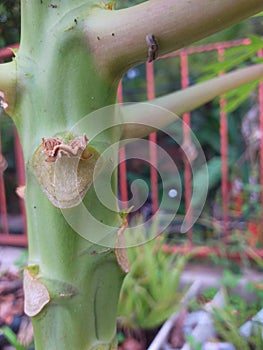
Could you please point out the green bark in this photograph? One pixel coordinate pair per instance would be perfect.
(71, 57)
(58, 85)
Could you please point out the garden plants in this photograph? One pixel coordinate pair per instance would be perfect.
(71, 58)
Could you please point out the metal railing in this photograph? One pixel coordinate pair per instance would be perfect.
(20, 239)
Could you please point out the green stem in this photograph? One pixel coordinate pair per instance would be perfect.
(82, 279)
(58, 85)
(64, 72)
(84, 292)
(183, 101)
(175, 24)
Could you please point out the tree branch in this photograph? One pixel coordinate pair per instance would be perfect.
(138, 121)
(8, 83)
(117, 38)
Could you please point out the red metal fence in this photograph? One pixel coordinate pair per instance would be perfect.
(7, 236)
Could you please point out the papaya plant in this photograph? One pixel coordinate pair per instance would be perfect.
(71, 58)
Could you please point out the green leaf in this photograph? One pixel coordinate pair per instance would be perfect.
(193, 343)
(21, 261)
(260, 14)
(257, 60)
(150, 292)
(230, 279)
(234, 57)
(12, 338)
(226, 325)
(235, 97)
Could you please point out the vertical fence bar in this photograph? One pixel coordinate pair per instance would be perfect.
(224, 153)
(21, 179)
(186, 143)
(3, 207)
(19, 240)
(122, 164)
(153, 139)
(260, 101)
(7, 238)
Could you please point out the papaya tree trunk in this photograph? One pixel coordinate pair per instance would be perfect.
(71, 57)
(71, 285)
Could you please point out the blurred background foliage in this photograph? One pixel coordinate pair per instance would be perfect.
(9, 34)
(9, 22)
(205, 121)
